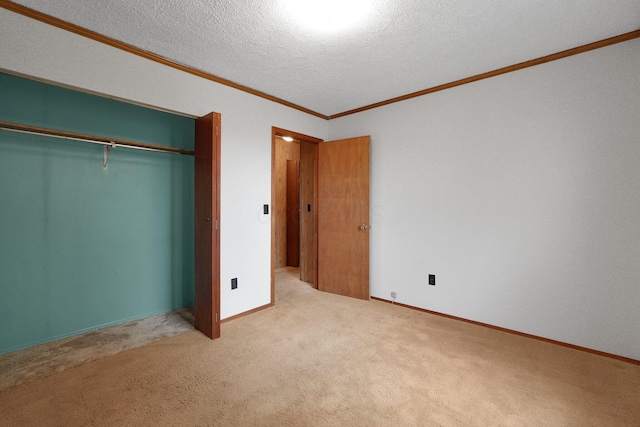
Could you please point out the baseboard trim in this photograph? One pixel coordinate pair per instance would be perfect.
(511, 331)
(245, 313)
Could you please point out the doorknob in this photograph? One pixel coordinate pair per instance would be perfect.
(364, 227)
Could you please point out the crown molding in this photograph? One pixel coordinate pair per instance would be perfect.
(39, 16)
(67, 26)
(511, 68)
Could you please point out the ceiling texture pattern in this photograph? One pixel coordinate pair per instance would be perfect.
(402, 46)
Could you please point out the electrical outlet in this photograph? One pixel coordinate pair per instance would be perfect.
(393, 295)
(234, 283)
(432, 279)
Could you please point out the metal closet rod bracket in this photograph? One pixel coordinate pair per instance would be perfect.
(106, 153)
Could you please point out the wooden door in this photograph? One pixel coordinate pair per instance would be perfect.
(293, 214)
(307, 212)
(207, 225)
(343, 217)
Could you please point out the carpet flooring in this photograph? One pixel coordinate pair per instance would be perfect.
(317, 359)
(289, 285)
(43, 360)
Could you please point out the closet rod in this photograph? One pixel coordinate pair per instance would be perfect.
(34, 130)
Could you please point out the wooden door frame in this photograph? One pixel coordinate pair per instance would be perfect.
(292, 225)
(275, 132)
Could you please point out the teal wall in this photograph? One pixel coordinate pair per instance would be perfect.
(82, 247)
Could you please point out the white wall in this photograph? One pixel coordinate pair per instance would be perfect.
(521, 193)
(38, 50)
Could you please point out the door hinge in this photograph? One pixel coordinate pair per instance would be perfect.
(216, 317)
(216, 224)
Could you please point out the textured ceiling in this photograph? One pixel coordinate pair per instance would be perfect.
(403, 46)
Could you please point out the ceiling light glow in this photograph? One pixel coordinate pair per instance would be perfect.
(287, 138)
(328, 16)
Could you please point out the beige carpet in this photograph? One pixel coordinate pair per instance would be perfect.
(43, 360)
(322, 360)
(289, 285)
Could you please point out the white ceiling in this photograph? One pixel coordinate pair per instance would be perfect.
(403, 47)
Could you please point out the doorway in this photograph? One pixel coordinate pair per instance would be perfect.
(293, 225)
(332, 212)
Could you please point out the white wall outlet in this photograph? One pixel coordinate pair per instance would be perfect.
(393, 295)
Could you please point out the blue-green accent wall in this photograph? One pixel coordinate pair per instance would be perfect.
(82, 247)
